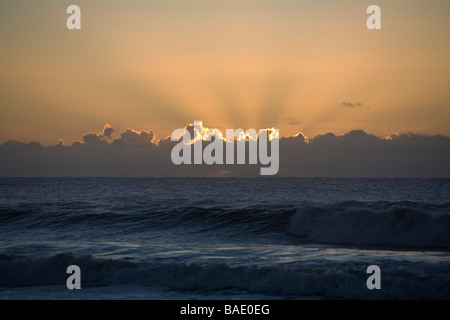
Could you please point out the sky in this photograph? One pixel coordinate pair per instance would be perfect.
(348, 101)
(309, 66)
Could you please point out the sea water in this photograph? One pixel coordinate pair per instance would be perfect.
(224, 238)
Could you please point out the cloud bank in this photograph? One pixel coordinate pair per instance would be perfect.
(139, 154)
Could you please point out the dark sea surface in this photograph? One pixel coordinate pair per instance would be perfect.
(224, 238)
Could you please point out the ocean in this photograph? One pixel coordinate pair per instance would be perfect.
(224, 238)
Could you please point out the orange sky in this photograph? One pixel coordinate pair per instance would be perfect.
(158, 65)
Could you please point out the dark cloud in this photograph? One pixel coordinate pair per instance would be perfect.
(93, 138)
(353, 105)
(138, 153)
(292, 121)
(136, 138)
(98, 138)
(107, 131)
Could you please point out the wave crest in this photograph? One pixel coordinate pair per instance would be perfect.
(397, 225)
(325, 280)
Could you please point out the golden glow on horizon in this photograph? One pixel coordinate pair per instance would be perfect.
(301, 134)
(207, 134)
(392, 136)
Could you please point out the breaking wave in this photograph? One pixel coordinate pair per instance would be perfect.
(389, 224)
(328, 281)
(394, 224)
